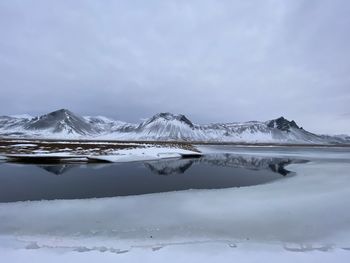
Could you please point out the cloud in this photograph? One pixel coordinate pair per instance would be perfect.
(211, 60)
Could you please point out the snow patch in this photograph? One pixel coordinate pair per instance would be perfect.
(144, 154)
(24, 145)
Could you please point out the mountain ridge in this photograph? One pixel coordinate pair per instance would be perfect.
(163, 126)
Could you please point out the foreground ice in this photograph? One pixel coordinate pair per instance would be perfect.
(193, 253)
(301, 152)
(305, 213)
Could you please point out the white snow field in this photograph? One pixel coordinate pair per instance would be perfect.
(304, 218)
(144, 154)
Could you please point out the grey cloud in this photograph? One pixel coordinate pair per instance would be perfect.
(211, 60)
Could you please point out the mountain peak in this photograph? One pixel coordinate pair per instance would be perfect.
(282, 123)
(61, 112)
(170, 117)
(60, 120)
(167, 126)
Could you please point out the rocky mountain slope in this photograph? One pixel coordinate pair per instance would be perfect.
(160, 127)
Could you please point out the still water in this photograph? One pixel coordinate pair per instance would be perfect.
(22, 182)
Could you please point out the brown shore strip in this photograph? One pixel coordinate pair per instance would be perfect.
(121, 143)
(79, 147)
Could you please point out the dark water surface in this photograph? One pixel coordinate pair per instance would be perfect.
(21, 182)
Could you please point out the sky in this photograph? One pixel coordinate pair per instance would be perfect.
(212, 60)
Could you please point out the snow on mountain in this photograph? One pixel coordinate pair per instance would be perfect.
(22, 116)
(108, 125)
(9, 121)
(61, 121)
(160, 127)
(58, 124)
(340, 137)
(10, 125)
(167, 126)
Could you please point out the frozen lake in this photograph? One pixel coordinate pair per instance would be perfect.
(287, 203)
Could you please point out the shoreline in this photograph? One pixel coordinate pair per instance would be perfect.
(149, 142)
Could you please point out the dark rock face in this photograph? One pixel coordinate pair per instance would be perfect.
(282, 124)
(60, 120)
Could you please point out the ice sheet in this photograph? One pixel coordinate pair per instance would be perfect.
(305, 209)
(303, 218)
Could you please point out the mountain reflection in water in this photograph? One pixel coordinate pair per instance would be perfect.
(78, 181)
(180, 166)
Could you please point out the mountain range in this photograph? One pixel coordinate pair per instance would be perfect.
(64, 124)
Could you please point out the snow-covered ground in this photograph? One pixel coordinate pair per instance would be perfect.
(304, 218)
(141, 153)
(144, 154)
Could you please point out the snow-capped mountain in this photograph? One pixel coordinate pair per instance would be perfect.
(61, 121)
(165, 126)
(160, 127)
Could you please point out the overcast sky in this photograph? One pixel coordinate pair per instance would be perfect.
(213, 61)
